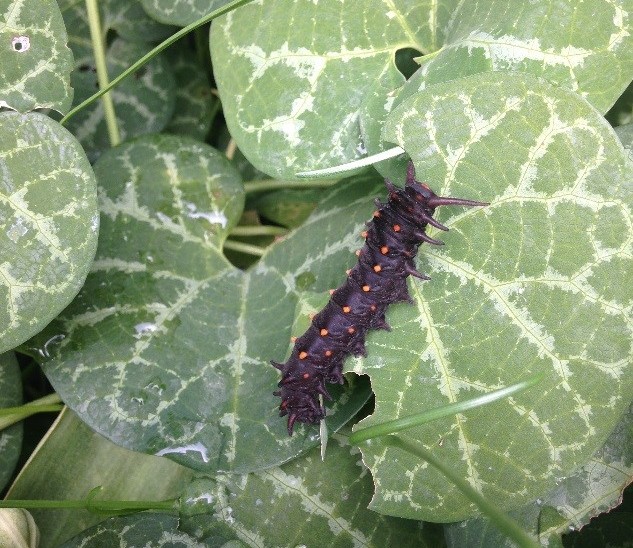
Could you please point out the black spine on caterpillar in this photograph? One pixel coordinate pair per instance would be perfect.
(378, 279)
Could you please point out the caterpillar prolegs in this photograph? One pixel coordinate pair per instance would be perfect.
(378, 279)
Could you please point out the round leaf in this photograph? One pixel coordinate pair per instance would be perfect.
(34, 57)
(535, 282)
(48, 223)
(167, 349)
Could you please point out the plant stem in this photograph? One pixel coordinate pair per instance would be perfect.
(403, 423)
(99, 506)
(355, 164)
(47, 404)
(153, 53)
(258, 230)
(98, 48)
(244, 248)
(503, 522)
(274, 184)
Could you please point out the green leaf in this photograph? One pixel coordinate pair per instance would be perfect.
(166, 350)
(535, 282)
(180, 12)
(48, 223)
(10, 396)
(595, 488)
(73, 460)
(306, 502)
(288, 207)
(34, 57)
(143, 103)
(293, 87)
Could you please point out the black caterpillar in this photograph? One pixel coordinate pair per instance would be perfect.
(378, 279)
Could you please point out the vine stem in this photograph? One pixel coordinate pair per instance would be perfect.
(153, 53)
(258, 230)
(404, 423)
(244, 248)
(47, 404)
(98, 48)
(274, 184)
(350, 166)
(105, 506)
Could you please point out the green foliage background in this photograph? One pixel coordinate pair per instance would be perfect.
(155, 324)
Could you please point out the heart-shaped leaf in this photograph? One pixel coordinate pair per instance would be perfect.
(166, 350)
(535, 282)
(48, 223)
(34, 57)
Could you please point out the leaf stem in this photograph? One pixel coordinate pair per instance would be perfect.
(403, 423)
(98, 48)
(503, 522)
(258, 230)
(350, 166)
(274, 184)
(244, 248)
(105, 506)
(153, 53)
(47, 404)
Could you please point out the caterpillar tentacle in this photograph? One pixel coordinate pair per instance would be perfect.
(378, 279)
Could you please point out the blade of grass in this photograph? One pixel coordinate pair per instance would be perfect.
(403, 423)
(47, 404)
(153, 53)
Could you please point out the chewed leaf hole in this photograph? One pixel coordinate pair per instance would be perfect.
(21, 43)
(405, 62)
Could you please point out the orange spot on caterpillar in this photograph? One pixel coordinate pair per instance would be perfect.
(357, 252)
(347, 309)
(373, 308)
(303, 355)
(377, 268)
(366, 288)
(364, 234)
(311, 316)
(351, 330)
(376, 213)
(284, 404)
(348, 271)
(384, 250)
(324, 332)
(306, 375)
(328, 353)
(293, 339)
(332, 291)
(396, 228)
